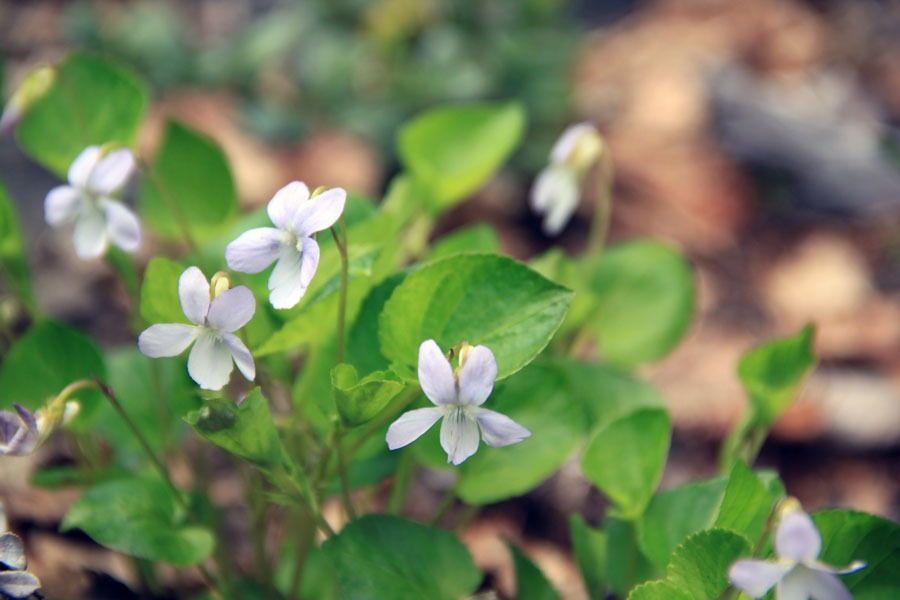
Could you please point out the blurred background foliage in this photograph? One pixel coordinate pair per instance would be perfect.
(361, 64)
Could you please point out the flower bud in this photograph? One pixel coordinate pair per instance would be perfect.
(70, 412)
(218, 284)
(587, 149)
(35, 85)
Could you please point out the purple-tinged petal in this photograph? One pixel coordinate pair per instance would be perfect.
(853, 567)
(320, 212)
(286, 202)
(797, 537)
(81, 167)
(241, 355)
(825, 586)
(122, 226)
(459, 436)
(797, 585)
(61, 205)
(309, 262)
(498, 430)
(27, 417)
(12, 552)
(111, 172)
(231, 309)
(10, 423)
(477, 376)
(18, 584)
(90, 237)
(193, 290)
(210, 363)
(285, 282)
(254, 250)
(167, 339)
(411, 425)
(436, 374)
(756, 577)
(19, 432)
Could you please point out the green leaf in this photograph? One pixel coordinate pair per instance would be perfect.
(625, 459)
(455, 149)
(44, 361)
(591, 549)
(747, 503)
(246, 431)
(626, 566)
(480, 298)
(13, 265)
(92, 101)
(531, 584)
(658, 590)
(699, 566)
(363, 349)
(155, 394)
(477, 238)
(538, 399)
(159, 292)
(676, 513)
(644, 301)
(319, 576)
(848, 536)
(359, 401)
(382, 556)
(773, 373)
(189, 183)
(606, 393)
(138, 516)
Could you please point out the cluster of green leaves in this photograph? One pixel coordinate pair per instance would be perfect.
(631, 303)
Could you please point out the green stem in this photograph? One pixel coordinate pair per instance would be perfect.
(172, 205)
(603, 206)
(224, 570)
(303, 534)
(345, 480)
(402, 479)
(442, 507)
(145, 446)
(388, 415)
(253, 488)
(342, 302)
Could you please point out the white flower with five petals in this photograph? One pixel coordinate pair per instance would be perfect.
(556, 189)
(94, 177)
(458, 398)
(296, 217)
(216, 349)
(797, 574)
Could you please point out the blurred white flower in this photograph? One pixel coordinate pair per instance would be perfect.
(217, 349)
(296, 217)
(458, 398)
(87, 200)
(797, 574)
(557, 188)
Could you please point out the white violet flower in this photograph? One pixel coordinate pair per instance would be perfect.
(87, 200)
(458, 398)
(556, 189)
(297, 217)
(216, 312)
(797, 574)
